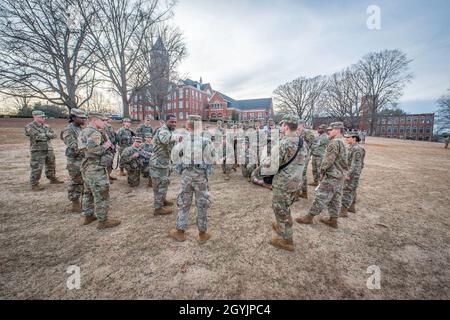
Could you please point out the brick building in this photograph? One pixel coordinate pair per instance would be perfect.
(191, 97)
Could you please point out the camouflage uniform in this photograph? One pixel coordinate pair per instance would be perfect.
(148, 148)
(309, 138)
(124, 138)
(333, 170)
(163, 143)
(112, 136)
(74, 157)
(355, 161)
(143, 129)
(318, 152)
(94, 172)
(133, 165)
(285, 182)
(41, 151)
(194, 179)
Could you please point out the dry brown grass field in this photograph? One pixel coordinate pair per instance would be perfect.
(402, 226)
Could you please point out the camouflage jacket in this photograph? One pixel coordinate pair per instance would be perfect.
(309, 138)
(128, 160)
(195, 153)
(334, 163)
(90, 142)
(70, 136)
(109, 130)
(356, 155)
(40, 136)
(143, 129)
(320, 145)
(124, 137)
(290, 177)
(163, 142)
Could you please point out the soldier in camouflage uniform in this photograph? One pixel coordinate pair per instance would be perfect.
(124, 139)
(96, 159)
(355, 161)
(160, 162)
(41, 150)
(144, 128)
(332, 172)
(292, 154)
(250, 161)
(69, 135)
(132, 160)
(147, 147)
(195, 164)
(111, 134)
(317, 152)
(309, 138)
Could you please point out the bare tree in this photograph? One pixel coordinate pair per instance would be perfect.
(381, 78)
(122, 29)
(443, 113)
(44, 52)
(341, 98)
(100, 103)
(300, 96)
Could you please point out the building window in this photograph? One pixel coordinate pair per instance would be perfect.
(396, 120)
(180, 105)
(408, 119)
(389, 120)
(416, 119)
(428, 120)
(414, 130)
(389, 130)
(395, 130)
(180, 116)
(422, 119)
(428, 130)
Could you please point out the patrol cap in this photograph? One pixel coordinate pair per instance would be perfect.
(78, 113)
(322, 126)
(136, 139)
(290, 119)
(38, 113)
(352, 134)
(148, 135)
(336, 125)
(170, 116)
(126, 120)
(98, 115)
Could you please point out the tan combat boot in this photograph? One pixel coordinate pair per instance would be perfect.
(178, 235)
(37, 187)
(167, 203)
(286, 244)
(89, 219)
(122, 173)
(112, 177)
(313, 184)
(76, 206)
(343, 213)
(203, 236)
(150, 183)
(308, 219)
(108, 223)
(56, 181)
(352, 208)
(162, 211)
(332, 222)
(303, 194)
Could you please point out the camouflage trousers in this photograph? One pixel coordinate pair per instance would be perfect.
(75, 187)
(96, 193)
(247, 170)
(160, 182)
(328, 195)
(193, 181)
(120, 150)
(304, 185)
(145, 171)
(349, 191)
(37, 161)
(133, 176)
(281, 205)
(316, 161)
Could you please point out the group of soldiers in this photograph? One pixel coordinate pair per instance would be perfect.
(91, 149)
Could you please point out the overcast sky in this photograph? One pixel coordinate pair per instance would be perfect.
(246, 48)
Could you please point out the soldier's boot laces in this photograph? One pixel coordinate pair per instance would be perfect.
(167, 203)
(178, 235)
(331, 221)
(308, 219)
(89, 219)
(314, 184)
(203, 236)
(37, 187)
(76, 206)
(163, 211)
(286, 244)
(108, 223)
(352, 208)
(56, 181)
(343, 213)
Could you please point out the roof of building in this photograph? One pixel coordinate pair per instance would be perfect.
(189, 82)
(249, 104)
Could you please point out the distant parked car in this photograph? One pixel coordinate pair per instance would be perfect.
(116, 117)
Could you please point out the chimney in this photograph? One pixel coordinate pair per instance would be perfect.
(201, 82)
